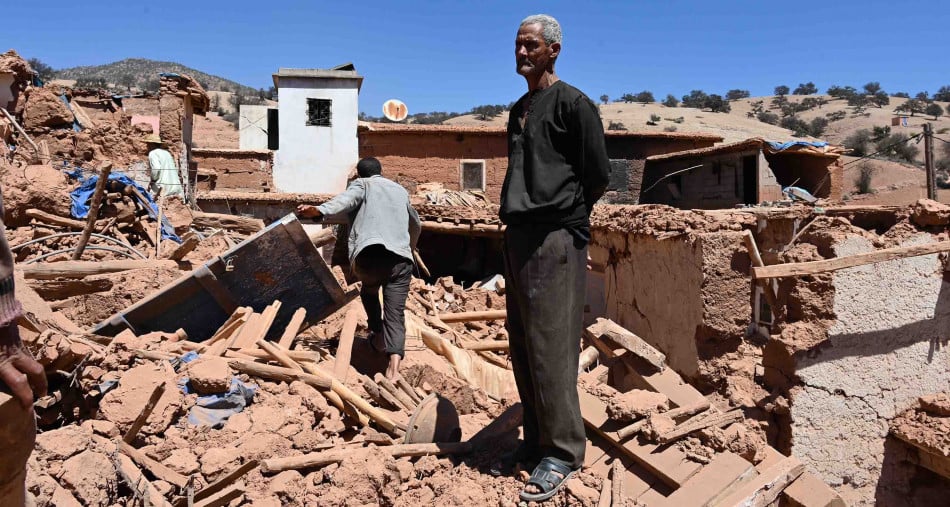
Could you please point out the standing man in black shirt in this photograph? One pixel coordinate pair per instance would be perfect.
(557, 169)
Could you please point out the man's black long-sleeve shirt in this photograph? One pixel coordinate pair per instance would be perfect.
(557, 162)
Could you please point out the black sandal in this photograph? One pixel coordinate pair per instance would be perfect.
(549, 476)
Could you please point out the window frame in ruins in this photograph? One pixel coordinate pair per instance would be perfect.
(319, 112)
(475, 162)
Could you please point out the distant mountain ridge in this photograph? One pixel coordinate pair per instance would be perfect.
(142, 72)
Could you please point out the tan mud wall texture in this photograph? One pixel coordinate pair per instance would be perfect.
(413, 158)
(887, 347)
(238, 170)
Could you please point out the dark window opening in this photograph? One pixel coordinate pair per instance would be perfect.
(273, 130)
(750, 180)
(473, 175)
(318, 112)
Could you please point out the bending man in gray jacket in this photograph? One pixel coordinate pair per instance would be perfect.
(383, 234)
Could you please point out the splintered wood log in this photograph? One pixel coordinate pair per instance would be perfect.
(323, 458)
(93, 209)
(223, 498)
(188, 243)
(473, 316)
(402, 384)
(380, 395)
(693, 425)
(49, 218)
(344, 349)
(225, 481)
(143, 415)
(292, 329)
(243, 225)
(279, 355)
(52, 290)
(82, 269)
(850, 261)
(278, 373)
(606, 329)
(766, 487)
(137, 481)
(616, 483)
(154, 467)
(484, 345)
(403, 399)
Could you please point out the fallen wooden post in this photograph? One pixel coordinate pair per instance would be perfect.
(278, 373)
(484, 345)
(82, 269)
(279, 355)
(224, 481)
(137, 482)
(243, 225)
(404, 400)
(850, 261)
(143, 415)
(616, 483)
(691, 426)
(323, 458)
(344, 349)
(766, 487)
(51, 290)
(477, 230)
(402, 384)
(473, 316)
(292, 329)
(223, 498)
(93, 210)
(49, 218)
(188, 243)
(156, 468)
(606, 329)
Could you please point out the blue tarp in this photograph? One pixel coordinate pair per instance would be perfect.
(784, 146)
(81, 196)
(212, 410)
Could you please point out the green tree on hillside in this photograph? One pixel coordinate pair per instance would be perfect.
(670, 101)
(923, 97)
(604, 98)
(43, 71)
(781, 90)
(934, 109)
(127, 80)
(717, 104)
(737, 94)
(628, 97)
(808, 88)
(880, 99)
(903, 95)
(943, 94)
(645, 97)
(872, 88)
(911, 106)
(696, 98)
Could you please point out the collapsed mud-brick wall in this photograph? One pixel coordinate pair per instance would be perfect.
(244, 170)
(847, 350)
(855, 348)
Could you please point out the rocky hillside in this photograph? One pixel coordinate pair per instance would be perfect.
(143, 73)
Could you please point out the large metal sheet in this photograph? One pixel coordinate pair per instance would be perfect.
(279, 262)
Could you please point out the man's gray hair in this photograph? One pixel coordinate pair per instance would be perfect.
(550, 28)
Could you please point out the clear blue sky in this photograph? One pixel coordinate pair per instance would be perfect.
(450, 56)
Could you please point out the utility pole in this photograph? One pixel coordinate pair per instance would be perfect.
(929, 162)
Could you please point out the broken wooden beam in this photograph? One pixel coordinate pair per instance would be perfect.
(82, 269)
(293, 329)
(606, 329)
(766, 487)
(225, 481)
(137, 481)
(222, 498)
(156, 468)
(693, 425)
(720, 476)
(144, 413)
(473, 316)
(93, 212)
(344, 348)
(188, 243)
(49, 218)
(757, 262)
(51, 290)
(477, 230)
(850, 261)
(243, 225)
(485, 345)
(278, 373)
(323, 458)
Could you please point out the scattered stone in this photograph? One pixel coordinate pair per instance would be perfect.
(209, 375)
(218, 460)
(287, 485)
(90, 476)
(928, 213)
(63, 498)
(123, 404)
(106, 429)
(64, 442)
(404, 469)
(586, 495)
(936, 404)
(182, 461)
(636, 404)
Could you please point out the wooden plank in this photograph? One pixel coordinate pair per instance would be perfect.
(225, 481)
(143, 415)
(850, 261)
(766, 285)
(323, 458)
(485, 345)
(223, 498)
(243, 225)
(810, 491)
(722, 472)
(699, 423)
(139, 484)
(344, 349)
(613, 332)
(292, 329)
(473, 316)
(766, 487)
(51, 290)
(156, 468)
(82, 269)
(49, 218)
(669, 465)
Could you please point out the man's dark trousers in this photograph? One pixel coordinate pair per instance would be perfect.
(545, 293)
(377, 267)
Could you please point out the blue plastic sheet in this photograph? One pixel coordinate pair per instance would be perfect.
(80, 198)
(214, 409)
(784, 146)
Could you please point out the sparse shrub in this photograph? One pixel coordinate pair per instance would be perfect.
(768, 117)
(604, 98)
(670, 101)
(903, 95)
(757, 107)
(943, 94)
(781, 90)
(798, 126)
(817, 126)
(865, 178)
(895, 146)
(717, 104)
(645, 97)
(696, 99)
(678, 120)
(233, 118)
(655, 117)
(616, 125)
(872, 88)
(669, 128)
(836, 115)
(858, 142)
(628, 97)
(43, 71)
